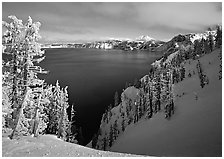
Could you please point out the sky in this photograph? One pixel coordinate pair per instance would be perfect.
(90, 21)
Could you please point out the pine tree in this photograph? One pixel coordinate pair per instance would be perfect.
(137, 83)
(6, 107)
(136, 111)
(104, 143)
(72, 131)
(115, 130)
(116, 99)
(123, 122)
(182, 73)
(218, 38)
(111, 140)
(158, 93)
(206, 46)
(197, 48)
(211, 42)
(149, 112)
(202, 44)
(63, 121)
(20, 42)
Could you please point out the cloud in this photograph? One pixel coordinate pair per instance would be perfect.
(180, 15)
(108, 19)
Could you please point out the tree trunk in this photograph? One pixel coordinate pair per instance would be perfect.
(14, 87)
(61, 122)
(20, 112)
(36, 118)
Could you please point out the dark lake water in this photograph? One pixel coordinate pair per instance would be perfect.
(92, 77)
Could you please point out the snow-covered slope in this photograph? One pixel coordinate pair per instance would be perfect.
(50, 146)
(196, 127)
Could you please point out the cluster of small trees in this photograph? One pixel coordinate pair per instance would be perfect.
(30, 106)
(204, 47)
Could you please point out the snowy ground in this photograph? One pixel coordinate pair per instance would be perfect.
(196, 127)
(50, 146)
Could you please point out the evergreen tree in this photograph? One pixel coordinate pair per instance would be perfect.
(72, 131)
(206, 46)
(63, 120)
(197, 48)
(116, 99)
(6, 103)
(202, 43)
(202, 76)
(111, 140)
(137, 83)
(123, 122)
(115, 130)
(58, 122)
(150, 110)
(211, 42)
(136, 111)
(158, 93)
(182, 73)
(218, 38)
(104, 143)
(20, 42)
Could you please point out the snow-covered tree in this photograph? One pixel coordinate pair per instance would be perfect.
(63, 116)
(6, 107)
(111, 136)
(71, 129)
(116, 99)
(115, 130)
(36, 107)
(58, 122)
(157, 93)
(20, 42)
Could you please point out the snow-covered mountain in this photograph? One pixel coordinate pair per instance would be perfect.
(145, 38)
(184, 40)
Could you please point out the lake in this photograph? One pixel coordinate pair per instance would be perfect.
(93, 76)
